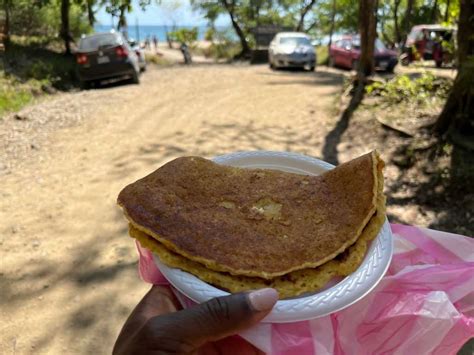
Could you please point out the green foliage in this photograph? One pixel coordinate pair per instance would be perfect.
(40, 59)
(210, 34)
(185, 35)
(156, 59)
(223, 45)
(402, 88)
(322, 55)
(14, 95)
(42, 18)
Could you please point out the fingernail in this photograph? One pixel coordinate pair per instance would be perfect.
(264, 299)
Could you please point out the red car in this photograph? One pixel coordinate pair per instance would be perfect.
(345, 53)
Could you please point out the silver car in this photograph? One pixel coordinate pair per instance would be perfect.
(140, 53)
(292, 49)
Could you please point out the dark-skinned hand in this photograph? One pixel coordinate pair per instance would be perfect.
(157, 327)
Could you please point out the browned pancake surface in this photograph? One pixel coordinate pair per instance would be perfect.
(253, 222)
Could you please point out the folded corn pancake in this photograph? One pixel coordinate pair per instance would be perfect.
(253, 222)
(292, 284)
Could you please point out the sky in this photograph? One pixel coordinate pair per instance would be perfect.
(163, 14)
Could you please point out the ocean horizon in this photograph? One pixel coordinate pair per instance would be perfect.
(141, 32)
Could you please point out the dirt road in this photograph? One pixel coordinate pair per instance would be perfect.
(68, 274)
(68, 269)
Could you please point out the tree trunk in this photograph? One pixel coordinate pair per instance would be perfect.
(122, 22)
(434, 12)
(238, 30)
(457, 118)
(90, 13)
(303, 14)
(333, 20)
(407, 20)
(367, 32)
(66, 36)
(6, 30)
(398, 35)
(446, 13)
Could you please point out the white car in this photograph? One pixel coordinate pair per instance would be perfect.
(140, 54)
(292, 49)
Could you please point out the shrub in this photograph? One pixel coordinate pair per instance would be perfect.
(185, 35)
(403, 88)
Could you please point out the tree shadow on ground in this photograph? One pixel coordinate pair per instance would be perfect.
(439, 178)
(86, 278)
(333, 138)
(212, 139)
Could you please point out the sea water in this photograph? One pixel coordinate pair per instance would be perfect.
(147, 31)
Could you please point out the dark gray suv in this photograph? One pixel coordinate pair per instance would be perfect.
(104, 56)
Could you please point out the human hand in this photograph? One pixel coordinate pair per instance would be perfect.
(156, 326)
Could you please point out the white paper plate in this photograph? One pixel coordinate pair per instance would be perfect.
(312, 305)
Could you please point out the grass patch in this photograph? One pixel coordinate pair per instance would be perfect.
(31, 67)
(423, 89)
(227, 50)
(157, 60)
(40, 59)
(14, 95)
(322, 55)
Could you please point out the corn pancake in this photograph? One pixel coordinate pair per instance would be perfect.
(253, 222)
(293, 284)
(290, 285)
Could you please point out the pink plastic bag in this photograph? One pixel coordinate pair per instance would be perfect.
(424, 305)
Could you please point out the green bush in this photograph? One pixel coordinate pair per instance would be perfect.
(14, 95)
(185, 35)
(322, 54)
(30, 58)
(42, 18)
(403, 88)
(222, 47)
(156, 59)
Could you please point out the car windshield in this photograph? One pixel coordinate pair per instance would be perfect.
(92, 43)
(295, 41)
(379, 46)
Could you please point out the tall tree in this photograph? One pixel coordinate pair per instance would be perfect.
(434, 12)
(6, 31)
(398, 36)
(367, 25)
(333, 22)
(90, 12)
(230, 7)
(307, 6)
(446, 13)
(65, 33)
(457, 117)
(407, 19)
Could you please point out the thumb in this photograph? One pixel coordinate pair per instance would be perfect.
(218, 318)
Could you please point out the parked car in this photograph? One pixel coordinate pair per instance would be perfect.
(291, 49)
(429, 42)
(140, 54)
(345, 53)
(106, 55)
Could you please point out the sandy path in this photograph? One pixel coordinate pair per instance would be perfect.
(67, 270)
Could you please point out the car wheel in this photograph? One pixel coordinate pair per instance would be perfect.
(355, 65)
(331, 62)
(312, 67)
(143, 69)
(404, 60)
(439, 63)
(135, 78)
(270, 62)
